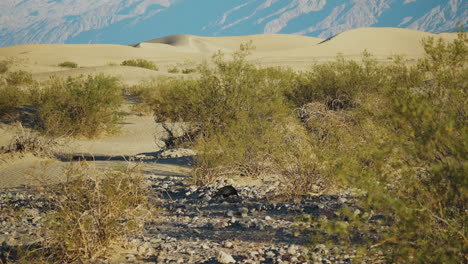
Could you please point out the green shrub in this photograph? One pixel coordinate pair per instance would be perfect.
(11, 98)
(68, 64)
(238, 110)
(4, 65)
(173, 70)
(189, 70)
(19, 78)
(140, 63)
(406, 150)
(338, 84)
(79, 106)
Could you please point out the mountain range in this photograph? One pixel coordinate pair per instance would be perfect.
(132, 21)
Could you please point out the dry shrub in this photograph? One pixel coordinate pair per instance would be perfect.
(79, 106)
(321, 121)
(173, 69)
(205, 175)
(300, 176)
(94, 210)
(68, 64)
(142, 63)
(27, 141)
(19, 77)
(189, 70)
(4, 65)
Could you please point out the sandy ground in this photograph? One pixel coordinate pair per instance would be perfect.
(137, 134)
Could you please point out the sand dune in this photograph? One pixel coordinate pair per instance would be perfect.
(379, 41)
(263, 43)
(297, 52)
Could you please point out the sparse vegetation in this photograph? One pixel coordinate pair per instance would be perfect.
(18, 78)
(93, 211)
(68, 64)
(402, 146)
(79, 106)
(173, 69)
(4, 66)
(12, 97)
(395, 133)
(142, 63)
(27, 141)
(189, 70)
(15, 91)
(239, 114)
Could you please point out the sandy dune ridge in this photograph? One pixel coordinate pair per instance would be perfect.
(297, 52)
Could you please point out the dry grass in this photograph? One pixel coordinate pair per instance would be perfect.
(93, 212)
(28, 141)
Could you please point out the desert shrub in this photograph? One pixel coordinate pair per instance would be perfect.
(173, 70)
(79, 106)
(337, 84)
(407, 151)
(68, 64)
(11, 98)
(189, 70)
(239, 112)
(4, 66)
(142, 63)
(28, 141)
(147, 92)
(92, 211)
(19, 78)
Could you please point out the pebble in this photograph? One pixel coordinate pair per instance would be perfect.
(228, 244)
(292, 250)
(270, 254)
(224, 258)
(243, 211)
(130, 257)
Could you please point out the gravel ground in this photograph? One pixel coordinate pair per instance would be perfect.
(193, 227)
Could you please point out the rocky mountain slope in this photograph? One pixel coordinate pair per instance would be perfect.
(131, 21)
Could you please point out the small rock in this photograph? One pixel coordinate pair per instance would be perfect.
(130, 257)
(243, 211)
(31, 212)
(270, 254)
(267, 218)
(224, 258)
(292, 250)
(205, 246)
(220, 225)
(230, 213)
(228, 244)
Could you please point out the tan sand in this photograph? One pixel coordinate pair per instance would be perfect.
(294, 51)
